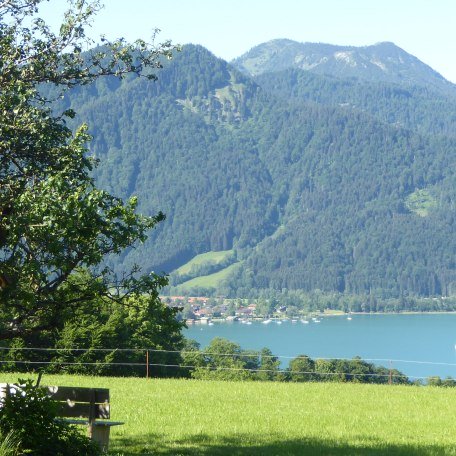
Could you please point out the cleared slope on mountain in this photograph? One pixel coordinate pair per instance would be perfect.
(204, 259)
(207, 283)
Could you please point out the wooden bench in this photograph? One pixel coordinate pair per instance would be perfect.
(82, 406)
(86, 406)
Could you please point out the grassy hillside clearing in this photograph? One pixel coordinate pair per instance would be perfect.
(204, 258)
(420, 202)
(192, 417)
(209, 281)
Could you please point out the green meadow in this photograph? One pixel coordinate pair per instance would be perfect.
(204, 258)
(209, 281)
(190, 417)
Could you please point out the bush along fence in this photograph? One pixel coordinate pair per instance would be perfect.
(221, 360)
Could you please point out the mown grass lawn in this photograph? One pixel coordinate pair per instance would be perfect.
(189, 417)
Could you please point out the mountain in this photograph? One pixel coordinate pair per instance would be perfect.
(300, 192)
(381, 62)
(411, 107)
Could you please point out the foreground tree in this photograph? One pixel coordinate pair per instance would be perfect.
(56, 227)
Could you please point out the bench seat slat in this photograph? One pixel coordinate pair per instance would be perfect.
(94, 423)
(107, 423)
(72, 421)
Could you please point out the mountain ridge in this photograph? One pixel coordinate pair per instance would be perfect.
(382, 61)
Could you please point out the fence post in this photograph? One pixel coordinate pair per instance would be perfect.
(390, 377)
(147, 364)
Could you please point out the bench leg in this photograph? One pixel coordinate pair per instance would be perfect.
(100, 434)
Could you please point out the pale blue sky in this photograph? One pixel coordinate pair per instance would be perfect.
(424, 28)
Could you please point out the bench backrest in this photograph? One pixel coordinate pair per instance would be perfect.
(75, 402)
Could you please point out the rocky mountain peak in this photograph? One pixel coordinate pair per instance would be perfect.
(381, 62)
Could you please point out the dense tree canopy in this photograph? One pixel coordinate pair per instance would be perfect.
(309, 194)
(56, 227)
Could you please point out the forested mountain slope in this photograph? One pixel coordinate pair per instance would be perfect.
(308, 193)
(176, 145)
(422, 109)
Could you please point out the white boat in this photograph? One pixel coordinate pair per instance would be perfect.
(294, 321)
(317, 321)
(266, 322)
(306, 322)
(248, 322)
(349, 318)
(279, 322)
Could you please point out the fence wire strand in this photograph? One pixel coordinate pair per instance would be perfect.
(214, 368)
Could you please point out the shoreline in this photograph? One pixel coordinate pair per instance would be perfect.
(407, 312)
(320, 315)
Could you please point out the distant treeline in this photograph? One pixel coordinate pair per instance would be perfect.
(226, 360)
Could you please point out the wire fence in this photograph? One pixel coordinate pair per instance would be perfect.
(219, 368)
(147, 353)
(204, 353)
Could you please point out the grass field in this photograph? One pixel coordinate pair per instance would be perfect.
(203, 258)
(189, 417)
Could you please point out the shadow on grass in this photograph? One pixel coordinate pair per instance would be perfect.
(202, 444)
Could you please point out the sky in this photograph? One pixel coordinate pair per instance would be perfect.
(424, 28)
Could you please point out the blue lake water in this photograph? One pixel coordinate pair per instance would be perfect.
(418, 345)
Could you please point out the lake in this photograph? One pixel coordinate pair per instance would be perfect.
(419, 345)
